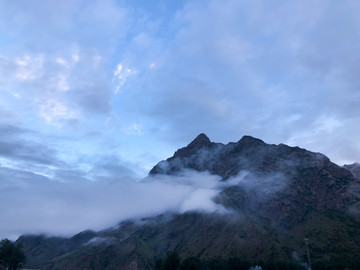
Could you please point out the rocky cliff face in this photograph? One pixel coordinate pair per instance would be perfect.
(248, 154)
(302, 179)
(275, 196)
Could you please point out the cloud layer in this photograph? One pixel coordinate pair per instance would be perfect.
(285, 72)
(58, 208)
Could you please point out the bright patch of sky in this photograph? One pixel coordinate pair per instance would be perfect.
(94, 90)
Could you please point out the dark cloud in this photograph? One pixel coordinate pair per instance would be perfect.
(8, 115)
(93, 99)
(113, 167)
(22, 148)
(28, 151)
(11, 130)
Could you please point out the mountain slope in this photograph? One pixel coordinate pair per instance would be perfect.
(275, 196)
(305, 179)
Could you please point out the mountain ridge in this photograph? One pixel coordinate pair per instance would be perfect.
(275, 196)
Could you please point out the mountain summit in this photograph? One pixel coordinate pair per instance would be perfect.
(307, 178)
(248, 153)
(200, 141)
(274, 197)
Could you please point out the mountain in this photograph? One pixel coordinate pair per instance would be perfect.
(274, 196)
(305, 179)
(354, 169)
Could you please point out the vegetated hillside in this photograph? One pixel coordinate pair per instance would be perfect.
(279, 195)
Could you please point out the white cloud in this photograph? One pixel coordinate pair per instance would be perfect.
(16, 95)
(23, 62)
(62, 83)
(327, 124)
(200, 200)
(134, 128)
(61, 61)
(66, 208)
(75, 58)
(121, 75)
(29, 68)
(54, 111)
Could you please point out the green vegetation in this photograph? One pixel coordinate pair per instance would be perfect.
(11, 254)
(170, 262)
(191, 263)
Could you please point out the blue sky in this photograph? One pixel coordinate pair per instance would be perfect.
(103, 90)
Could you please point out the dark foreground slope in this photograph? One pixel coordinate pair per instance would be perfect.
(278, 196)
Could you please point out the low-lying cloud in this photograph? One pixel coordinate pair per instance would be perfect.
(44, 206)
(264, 185)
(52, 207)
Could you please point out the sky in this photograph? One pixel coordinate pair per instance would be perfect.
(94, 93)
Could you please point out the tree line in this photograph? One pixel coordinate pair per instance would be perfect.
(172, 261)
(12, 255)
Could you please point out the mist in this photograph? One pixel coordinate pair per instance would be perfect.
(58, 208)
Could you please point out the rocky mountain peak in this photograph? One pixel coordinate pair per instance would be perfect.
(200, 141)
(250, 141)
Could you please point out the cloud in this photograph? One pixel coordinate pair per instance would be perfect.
(39, 205)
(11, 130)
(54, 112)
(12, 179)
(200, 199)
(225, 68)
(120, 75)
(14, 148)
(63, 55)
(31, 152)
(232, 68)
(8, 115)
(66, 208)
(29, 69)
(112, 167)
(262, 186)
(23, 149)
